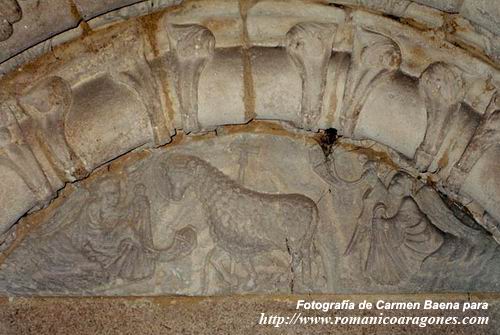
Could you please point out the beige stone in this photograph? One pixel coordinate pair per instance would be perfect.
(222, 147)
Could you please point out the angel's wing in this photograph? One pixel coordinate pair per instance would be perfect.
(431, 204)
(400, 244)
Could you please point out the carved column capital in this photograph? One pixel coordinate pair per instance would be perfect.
(193, 46)
(309, 46)
(375, 59)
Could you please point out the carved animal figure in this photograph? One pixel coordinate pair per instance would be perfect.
(243, 222)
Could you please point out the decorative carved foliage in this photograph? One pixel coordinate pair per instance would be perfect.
(45, 109)
(443, 92)
(10, 13)
(385, 228)
(375, 59)
(141, 79)
(16, 155)
(309, 45)
(193, 46)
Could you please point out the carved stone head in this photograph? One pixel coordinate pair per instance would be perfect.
(109, 192)
(401, 185)
(180, 171)
(441, 85)
(381, 52)
(192, 41)
(52, 94)
(310, 39)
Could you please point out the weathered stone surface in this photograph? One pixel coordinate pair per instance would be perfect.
(228, 215)
(485, 13)
(89, 9)
(222, 18)
(378, 171)
(40, 20)
(106, 98)
(283, 16)
(382, 121)
(229, 315)
(10, 13)
(451, 6)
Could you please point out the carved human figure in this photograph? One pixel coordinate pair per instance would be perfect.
(95, 238)
(375, 59)
(193, 46)
(245, 223)
(487, 134)
(401, 222)
(443, 91)
(121, 240)
(46, 106)
(309, 46)
(16, 155)
(397, 236)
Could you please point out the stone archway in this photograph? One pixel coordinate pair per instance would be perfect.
(255, 146)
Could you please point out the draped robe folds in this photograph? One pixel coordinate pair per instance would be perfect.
(120, 242)
(399, 244)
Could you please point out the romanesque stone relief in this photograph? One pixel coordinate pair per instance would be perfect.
(10, 13)
(99, 236)
(244, 223)
(402, 229)
(375, 59)
(486, 135)
(45, 108)
(175, 223)
(230, 215)
(193, 46)
(309, 46)
(16, 154)
(142, 80)
(443, 91)
(18, 162)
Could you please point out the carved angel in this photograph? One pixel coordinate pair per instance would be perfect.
(396, 237)
(401, 223)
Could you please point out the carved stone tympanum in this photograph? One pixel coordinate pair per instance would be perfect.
(187, 222)
(228, 147)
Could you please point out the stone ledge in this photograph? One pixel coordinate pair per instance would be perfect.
(221, 315)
